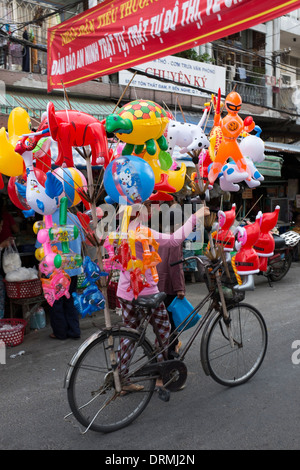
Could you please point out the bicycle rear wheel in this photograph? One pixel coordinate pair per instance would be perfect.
(91, 394)
(234, 365)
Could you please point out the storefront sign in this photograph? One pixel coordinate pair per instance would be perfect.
(117, 35)
(188, 76)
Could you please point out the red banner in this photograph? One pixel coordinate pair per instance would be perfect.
(117, 35)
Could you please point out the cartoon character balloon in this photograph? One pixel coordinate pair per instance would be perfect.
(128, 180)
(232, 126)
(139, 123)
(246, 259)
(265, 244)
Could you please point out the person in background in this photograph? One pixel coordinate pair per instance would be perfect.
(64, 317)
(171, 278)
(8, 227)
(125, 294)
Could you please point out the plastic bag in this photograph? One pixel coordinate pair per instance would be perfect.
(11, 259)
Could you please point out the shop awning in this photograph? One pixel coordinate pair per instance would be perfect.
(36, 104)
(271, 166)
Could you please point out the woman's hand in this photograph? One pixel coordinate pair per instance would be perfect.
(202, 212)
(180, 294)
(5, 243)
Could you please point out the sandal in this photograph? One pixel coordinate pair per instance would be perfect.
(178, 346)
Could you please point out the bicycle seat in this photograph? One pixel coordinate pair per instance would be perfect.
(279, 242)
(150, 301)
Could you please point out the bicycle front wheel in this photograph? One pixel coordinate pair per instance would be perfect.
(91, 394)
(234, 362)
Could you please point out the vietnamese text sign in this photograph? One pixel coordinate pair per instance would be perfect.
(117, 35)
(182, 72)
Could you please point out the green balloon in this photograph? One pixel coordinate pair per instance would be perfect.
(165, 160)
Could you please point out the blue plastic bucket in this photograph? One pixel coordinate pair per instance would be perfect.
(180, 309)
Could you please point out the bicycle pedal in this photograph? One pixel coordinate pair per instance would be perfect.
(164, 394)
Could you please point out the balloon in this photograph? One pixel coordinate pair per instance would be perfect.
(224, 236)
(91, 299)
(252, 148)
(61, 233)
(11, 163)
(246, 259)
(137, 282)
(72, 179)
(12, 188)
(42, 199)
(56, 286)
(188, 137)
(128, 180)
(232, 126)
(18, 124)
(50, 258)
(42, 154)
(139, 123)
(265, 244)
(70, 128)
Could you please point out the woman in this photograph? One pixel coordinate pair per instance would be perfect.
(125, 293)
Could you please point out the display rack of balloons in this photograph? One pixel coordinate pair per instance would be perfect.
(142, 167)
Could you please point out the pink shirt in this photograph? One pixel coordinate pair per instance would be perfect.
(171, 240)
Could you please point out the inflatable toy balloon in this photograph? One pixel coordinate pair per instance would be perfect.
(265, 244)
(43, 200)
(188, 137)
(139, 123)
(246, 259)
(11, 163)
(18, 198)
(18, 124)
(42, 154)
(56, 286)
(232, 127)
(70, 128)
(224, 236)
(72, 180)
(91, 300)
(128, 180)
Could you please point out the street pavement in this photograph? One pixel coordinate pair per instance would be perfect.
(262, 414)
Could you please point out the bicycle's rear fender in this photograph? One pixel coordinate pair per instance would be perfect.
(84, 345)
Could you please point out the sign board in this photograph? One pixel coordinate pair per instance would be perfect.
(182, 72)
(117, 35)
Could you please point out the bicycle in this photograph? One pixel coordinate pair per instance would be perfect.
(232, 349)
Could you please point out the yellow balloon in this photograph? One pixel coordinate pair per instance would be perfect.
(175, 178)
(39, 253)
(18, 124)
(11, 163)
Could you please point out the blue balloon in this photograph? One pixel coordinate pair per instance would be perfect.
(129, 180)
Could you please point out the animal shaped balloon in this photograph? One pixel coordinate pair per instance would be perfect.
(265, 244)
(11, 163)
(232, 126)
(139, 123)
(91, 299)
(70, 128)
(252, 148)
(246, 258)
(128, 180)
(43, 200)
(56, 286)
(188, 137)
(224, 236)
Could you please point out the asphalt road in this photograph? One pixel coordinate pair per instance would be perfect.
(261, 414)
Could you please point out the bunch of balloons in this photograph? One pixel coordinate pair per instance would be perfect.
(91, 299)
